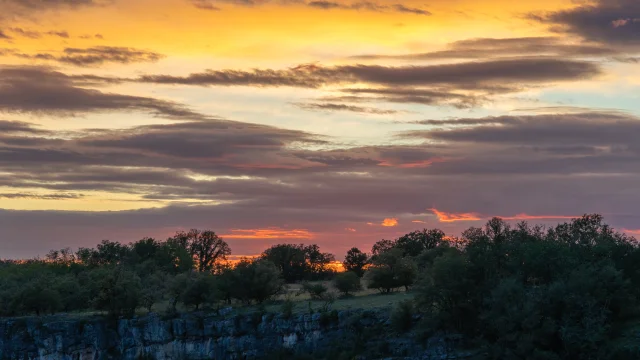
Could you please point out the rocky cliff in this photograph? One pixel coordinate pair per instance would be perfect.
(213, 336)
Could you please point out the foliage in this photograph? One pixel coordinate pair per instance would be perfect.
(299, 262)
(201, 289)
(254, 281)
(355, 261)
(287, 308)
(119, 293)
(347, 282)
(382, 246)
(402, 316)
(416, 242)
(520, 292)
(315, 290)
(206, 248)
(390, 270)
(153, 289)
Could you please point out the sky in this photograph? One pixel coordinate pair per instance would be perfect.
(333, 122)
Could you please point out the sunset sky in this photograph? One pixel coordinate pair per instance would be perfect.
(312, 121)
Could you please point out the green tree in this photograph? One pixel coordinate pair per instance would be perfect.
(37, 296)
(299, 262)
(255, 281)
(355, 261)
(390, 270)
(72, 298)
(347, 283)
(153, 289)
(201, 289)
(381, 246)
(206, 248)
(176, 286)
(290, 259)
(445, 292)
(119, 293)
(414, 243)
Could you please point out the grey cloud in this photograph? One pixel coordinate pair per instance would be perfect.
(594, 129)
(27, 33)
(204, 5)
(413, 95)
(42, 5)
(329, 107)
(366, 5)
(27, 8)
(317, 4)
(44, 91)
(606, 21)
(107, 54)
(470, 75)
(405, 9)
(7, 127)
(62, 34)
(94, 56)
(40, 196)
(4, 36)
(487, 48)
(260, 179)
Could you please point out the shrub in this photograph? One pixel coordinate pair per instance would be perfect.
(402, 316)
(287, 308)
(315, 290)
(347, 282)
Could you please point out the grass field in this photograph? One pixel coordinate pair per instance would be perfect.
(365, 299)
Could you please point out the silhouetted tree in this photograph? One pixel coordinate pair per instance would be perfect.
(299, 262)
(412, 244)
(206, 248)
(355, 261)
(390, 270)
(381, 247)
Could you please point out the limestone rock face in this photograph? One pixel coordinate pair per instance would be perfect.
(196, 336)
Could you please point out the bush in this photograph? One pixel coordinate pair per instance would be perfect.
(402, 316)
(287, 308)
(347, 282)
(315, 290)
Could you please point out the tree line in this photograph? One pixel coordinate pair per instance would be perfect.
(519, 292)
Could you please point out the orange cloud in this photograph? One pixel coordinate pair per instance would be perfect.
(631, 231)
(536, 217)
(269, 233)
(351, 229)
(419, 222)
(390, 222)
(453, 217)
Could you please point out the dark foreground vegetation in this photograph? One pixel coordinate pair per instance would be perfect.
(523, 292)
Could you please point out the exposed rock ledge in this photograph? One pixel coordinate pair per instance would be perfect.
(196, 336)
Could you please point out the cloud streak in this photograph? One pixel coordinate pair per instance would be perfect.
(39, 90)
